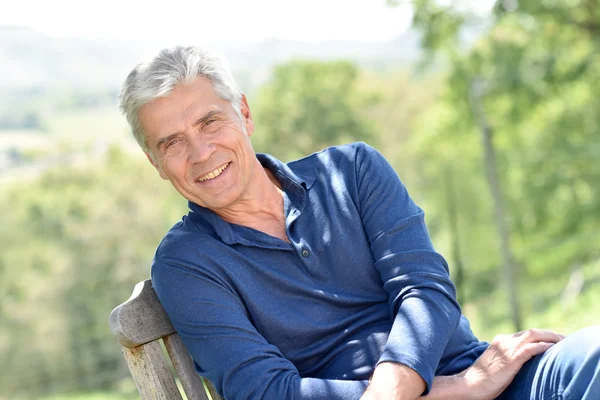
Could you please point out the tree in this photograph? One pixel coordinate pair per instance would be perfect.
(309, 105)
(72, 245)
(536, 62)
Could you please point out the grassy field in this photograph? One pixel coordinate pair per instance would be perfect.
(102, 123)
(557, 311)
(67, 137)
(75, 129)
(23, 139)
(94, 396)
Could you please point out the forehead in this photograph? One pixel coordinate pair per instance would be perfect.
(180, 108)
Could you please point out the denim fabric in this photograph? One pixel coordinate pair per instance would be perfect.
(570, 370)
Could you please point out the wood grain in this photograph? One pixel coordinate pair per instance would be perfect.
(184, 366)
(141, 319)
(151, 373)
(138, 325)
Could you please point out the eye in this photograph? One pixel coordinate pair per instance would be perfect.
(210, 121)
(172, 142)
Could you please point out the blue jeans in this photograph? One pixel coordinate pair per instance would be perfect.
(570, 370)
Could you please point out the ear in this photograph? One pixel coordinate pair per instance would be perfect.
(155, 165)
(245, 109)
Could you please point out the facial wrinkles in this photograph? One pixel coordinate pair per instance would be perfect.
(181, 151)
(216, 161)
(163, 160)
(164, 156)
(227, 120)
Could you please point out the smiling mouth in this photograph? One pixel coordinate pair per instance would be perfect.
(214, 174)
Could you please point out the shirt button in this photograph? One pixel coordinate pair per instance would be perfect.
(305, 253)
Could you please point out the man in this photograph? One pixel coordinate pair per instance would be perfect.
(314, 279)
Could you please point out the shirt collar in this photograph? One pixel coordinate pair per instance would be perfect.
(283, 172)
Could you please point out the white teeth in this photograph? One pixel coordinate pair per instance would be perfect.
(214, 174)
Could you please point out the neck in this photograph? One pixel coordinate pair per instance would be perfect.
(261, 208)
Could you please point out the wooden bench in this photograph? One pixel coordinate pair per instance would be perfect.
(139, 325)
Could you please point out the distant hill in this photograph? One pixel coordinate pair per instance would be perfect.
(29, 59)
(32, 59)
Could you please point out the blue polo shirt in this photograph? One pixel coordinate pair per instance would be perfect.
(359, 283)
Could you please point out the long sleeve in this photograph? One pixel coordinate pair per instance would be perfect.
(215, 327)
(422, 299)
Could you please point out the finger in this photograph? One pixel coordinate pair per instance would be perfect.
(539, 335)
(501, 339)
(528, 350)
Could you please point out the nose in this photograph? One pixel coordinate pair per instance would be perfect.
(200, 149)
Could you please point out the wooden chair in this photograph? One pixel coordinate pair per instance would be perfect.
(139, 325)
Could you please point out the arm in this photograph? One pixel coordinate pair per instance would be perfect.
(490, 375)
(212, 322)
(442, 388)
(421, 296)
(395, 381)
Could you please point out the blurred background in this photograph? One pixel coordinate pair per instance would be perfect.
(488, 110)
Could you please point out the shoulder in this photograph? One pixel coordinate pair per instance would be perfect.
(186, 246)
(336, 170)
(343, 157)
(348, 160)
(184, 234)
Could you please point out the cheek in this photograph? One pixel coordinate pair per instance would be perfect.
(175, 169)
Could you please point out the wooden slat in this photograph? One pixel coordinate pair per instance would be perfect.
(151, 373)
(138, 325)
(182, 361)
(211, 389)
(141, 319)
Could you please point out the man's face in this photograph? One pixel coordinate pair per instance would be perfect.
(200, 144)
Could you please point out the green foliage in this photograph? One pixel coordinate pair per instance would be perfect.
(307, 106)
(536, 68)
(72, 245)
(95, 396)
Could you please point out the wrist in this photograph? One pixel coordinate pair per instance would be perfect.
(454, 387)
(392, 380)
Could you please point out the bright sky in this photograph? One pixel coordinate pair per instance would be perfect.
(208, 21)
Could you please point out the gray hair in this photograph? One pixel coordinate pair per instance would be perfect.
(171, 67)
